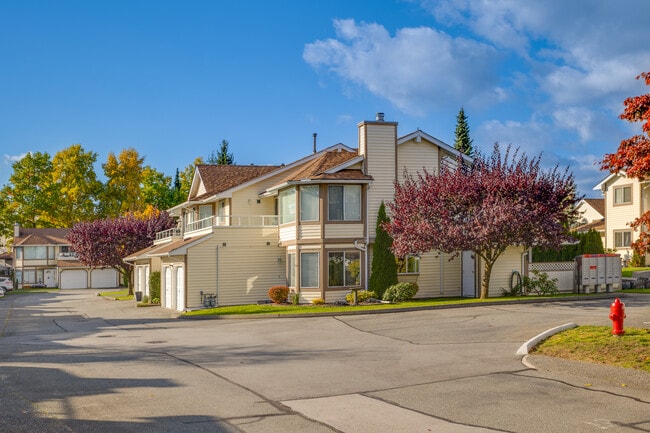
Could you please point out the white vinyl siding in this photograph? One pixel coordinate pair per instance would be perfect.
(619, 216)
(381, 162)
(337, 231)
(414, 157)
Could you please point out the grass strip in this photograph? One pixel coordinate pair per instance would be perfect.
(597, 344)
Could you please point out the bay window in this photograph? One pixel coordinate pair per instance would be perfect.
(309, 203)
(309, 272)
(287, 205)
(344, 268)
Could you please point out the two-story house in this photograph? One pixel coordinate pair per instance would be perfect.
(42, 257)
(592, 216)
(625, 200)
(309, 225)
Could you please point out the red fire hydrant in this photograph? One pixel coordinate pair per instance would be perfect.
(616, 315)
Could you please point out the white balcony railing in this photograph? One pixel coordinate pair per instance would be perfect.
(233, 221)
(168, 234)
(70, 255)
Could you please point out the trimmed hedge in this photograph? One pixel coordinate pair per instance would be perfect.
(400, 292)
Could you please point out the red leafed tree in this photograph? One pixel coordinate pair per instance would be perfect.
(633, 156)
(484, 207)
(105, 242)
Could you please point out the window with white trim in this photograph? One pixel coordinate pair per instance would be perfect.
(623, 194)
(623, 239)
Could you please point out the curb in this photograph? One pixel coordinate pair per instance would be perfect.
(525, 348)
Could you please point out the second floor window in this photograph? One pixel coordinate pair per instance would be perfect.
(309, 203)
(287, 200)
(344, 202)
(623, 195)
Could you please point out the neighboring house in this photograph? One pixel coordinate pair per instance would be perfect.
(6, 264)
(625, 200)
(43, 257)
(592, 216)
(309, 225)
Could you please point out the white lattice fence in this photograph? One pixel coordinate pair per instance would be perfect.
(563, 271)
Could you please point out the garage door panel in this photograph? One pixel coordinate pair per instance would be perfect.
(103, 278)
(74, 279)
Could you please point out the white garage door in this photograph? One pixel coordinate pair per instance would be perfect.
(103, 278)
(74, 279)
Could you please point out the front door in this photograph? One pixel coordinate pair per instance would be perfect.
(180, 288)
(469, 274)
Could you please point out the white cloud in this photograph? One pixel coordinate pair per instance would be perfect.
(416, 70)
(9, 159)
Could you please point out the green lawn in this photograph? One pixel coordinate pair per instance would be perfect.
(119, 295)
(627, 272)
(315, 309)
(597, 344)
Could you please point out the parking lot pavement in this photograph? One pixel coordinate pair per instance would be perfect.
(74, 361)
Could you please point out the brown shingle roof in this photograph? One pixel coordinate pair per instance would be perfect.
(219, 178)
(597, 203)
(598, 225)
(45, 236)
(316, 169)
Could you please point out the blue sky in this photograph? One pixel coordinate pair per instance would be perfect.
(173, 78)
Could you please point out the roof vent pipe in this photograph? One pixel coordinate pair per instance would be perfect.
(379, 117)
(315, 141)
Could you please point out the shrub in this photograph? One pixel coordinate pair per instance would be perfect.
(318, 301)
(540, 283)
(145, 299)
(400, 292)
(278, 294)
(638, 260)
(295, 298)
(362, 295)
(154, 286)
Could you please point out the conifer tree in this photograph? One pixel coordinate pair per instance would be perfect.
(463, 142)
(384, 267)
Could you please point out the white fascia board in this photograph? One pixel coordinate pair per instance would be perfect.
(181, 251)
(345, 165)
(599, 186)
(434, 140)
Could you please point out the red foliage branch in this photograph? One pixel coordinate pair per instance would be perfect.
(105, 242)
(633, 156)
(494, 203)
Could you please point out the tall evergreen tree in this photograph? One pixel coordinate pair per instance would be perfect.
(463, 142)
(222, 157)
(384, 267)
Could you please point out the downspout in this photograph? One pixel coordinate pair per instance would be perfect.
(216, 299)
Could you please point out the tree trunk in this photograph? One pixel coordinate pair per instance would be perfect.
(485, 281)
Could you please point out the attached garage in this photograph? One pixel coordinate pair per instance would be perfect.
(103, 278)
(74, 279)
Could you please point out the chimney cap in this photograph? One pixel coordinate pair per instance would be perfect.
(379, 117)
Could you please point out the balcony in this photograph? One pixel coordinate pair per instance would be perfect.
(70, 255)
(207, 224)
(167, 235)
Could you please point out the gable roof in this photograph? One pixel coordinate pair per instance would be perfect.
(330, 165)
(598, 204)
(219, 178)
(44, 236)
(430, 138)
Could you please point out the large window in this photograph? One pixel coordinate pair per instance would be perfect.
(623, 195)
(309, 269)
(205, 211)
(287, 206)
(408, 265)
(344, 268)
(344, 202)
(622, 239)
(35, 253)
(291, 270)
(309, 203)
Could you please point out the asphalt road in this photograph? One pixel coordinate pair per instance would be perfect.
(74, 362)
